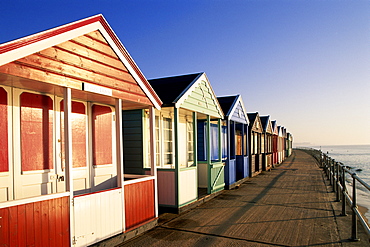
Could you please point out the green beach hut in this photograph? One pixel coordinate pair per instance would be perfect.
(187, 137)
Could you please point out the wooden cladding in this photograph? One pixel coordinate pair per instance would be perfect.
(139, 203)
(85, 59)
(43, 223)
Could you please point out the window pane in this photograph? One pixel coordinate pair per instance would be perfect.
(190, 141)
(36, 131)
(238, 142)
(4, 159)
(78, 119)
(102, 134)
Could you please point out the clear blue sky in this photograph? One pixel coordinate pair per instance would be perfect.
(304, 63)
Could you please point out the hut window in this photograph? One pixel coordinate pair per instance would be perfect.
(4, 159)
(167, 140)
(263, 143)
(157, 142)
(102, 118)
(214, 141)
(36, 131)
(245, 143)
(79, 125)
(190, 141)
(224, 141)
(238, 142)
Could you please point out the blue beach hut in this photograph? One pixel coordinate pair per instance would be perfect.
(235, 140)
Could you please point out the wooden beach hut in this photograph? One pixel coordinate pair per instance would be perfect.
(188, 140)
(266, 144)
(254, 135)
(275, 135)
(289, 144)
(62, 177)
(281, 144)
(235, 140)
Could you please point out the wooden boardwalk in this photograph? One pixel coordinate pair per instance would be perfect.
(288, 206)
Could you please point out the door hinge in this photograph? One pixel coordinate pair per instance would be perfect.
(74, 240)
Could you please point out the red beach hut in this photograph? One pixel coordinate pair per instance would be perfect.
(62, 180)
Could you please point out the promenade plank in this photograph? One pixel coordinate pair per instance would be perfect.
(288, 206)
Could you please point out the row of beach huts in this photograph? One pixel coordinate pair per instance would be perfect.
(89, 148)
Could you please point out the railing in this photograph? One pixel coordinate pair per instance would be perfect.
(336, 173)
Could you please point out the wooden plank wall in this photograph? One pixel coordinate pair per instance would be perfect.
(88, 58)
(132, 124)
(139, 203)
(43, 223)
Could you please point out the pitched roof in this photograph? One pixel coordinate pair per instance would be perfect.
(264, 121)
(170, 88)
(14, 50)
(252, 117)
(226, 103)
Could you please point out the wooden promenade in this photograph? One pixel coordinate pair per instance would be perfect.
(288, 206)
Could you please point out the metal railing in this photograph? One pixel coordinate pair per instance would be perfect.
(336, 173)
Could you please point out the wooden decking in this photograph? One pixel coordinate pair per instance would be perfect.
(288, 206)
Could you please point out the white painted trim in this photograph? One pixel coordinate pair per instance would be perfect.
(67, 103)
(233, 108)
(33, 199)
(153, 167)
(119, 157)
(187, 91)
(24, 51)
(184, 95)
(29, 49)
(138, 180)
(127, 64)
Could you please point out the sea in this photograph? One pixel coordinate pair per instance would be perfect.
(357, 157)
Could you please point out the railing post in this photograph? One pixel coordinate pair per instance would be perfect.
(337, 181)
(354, 206)
(344, 191)
(330, 171)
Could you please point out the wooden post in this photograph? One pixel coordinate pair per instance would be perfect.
(219, 139)
(208, 138)
(68, 158)
(153, 168)
(195, 147)
(119, 157)
(177, 168)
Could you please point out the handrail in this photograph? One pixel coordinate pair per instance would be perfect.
(336, 173)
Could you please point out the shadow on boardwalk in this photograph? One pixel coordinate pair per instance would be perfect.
(289, 206)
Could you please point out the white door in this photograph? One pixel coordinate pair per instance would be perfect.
(34, 128)
(102, 129)
(6, 170)
(80, 168)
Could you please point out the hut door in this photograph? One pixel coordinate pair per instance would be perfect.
(80, 170)
(104, 170)
(34, 123)
(6, 170)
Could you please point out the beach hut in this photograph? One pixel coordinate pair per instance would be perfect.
(62, 177)
(266, 144)
(289, 144)
(285, 152)
(275, 136)
(281, 144)
(235, 140)
(188, 140)
(254, 135)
